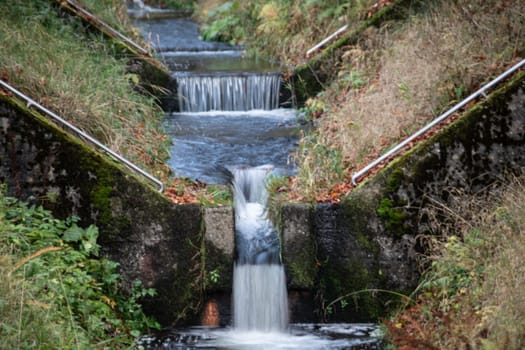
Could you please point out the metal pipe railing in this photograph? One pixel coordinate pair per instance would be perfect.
(31, 102)
(482, 91)
(90, 16)
(327, 39)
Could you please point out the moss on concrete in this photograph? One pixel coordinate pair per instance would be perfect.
(298, 249)
(302, 271)
(390, 208)
(152, 238)
(357, 209)
(355, 285)
(384, 212)
(218, 270)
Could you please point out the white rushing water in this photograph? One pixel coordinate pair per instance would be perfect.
(230, 92)
(213, 81)
(260, 299)
(300, 337)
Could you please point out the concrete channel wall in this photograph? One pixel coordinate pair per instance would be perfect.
(153, 239)
(363, 247)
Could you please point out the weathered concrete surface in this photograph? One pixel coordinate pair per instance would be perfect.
(298, 245)
(220, 228)
(356, 255)
(219, 248)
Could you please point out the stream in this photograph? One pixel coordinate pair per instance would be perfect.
(230, 117)
(229, 113)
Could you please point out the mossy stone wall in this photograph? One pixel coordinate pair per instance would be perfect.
(368, 244)
(153, 239)
(364, 247)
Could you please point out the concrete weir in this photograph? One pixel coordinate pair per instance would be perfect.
(361, 247)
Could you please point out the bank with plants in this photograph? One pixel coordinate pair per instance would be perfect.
(396, 76)
(57, 291)
(392, 77)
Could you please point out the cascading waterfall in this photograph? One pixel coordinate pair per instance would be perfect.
(228, 92)
(259, 289)
(217, 84)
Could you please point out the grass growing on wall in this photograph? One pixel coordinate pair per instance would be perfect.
(56, 293)
(472, 295)
(73, 73)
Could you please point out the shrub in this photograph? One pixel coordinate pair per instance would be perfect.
(56, 292)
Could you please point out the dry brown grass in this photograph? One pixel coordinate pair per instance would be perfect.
(412, 72)
(79, 78)
(473, 295)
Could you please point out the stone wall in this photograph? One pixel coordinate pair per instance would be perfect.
(153, 239)
(368, 245)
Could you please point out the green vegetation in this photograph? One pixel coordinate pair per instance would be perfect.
(226, 27)
(472, 295)
(77, 75)
(114, 13)
(281, 30)
(394, 217)
(56, 293)
(393, 79)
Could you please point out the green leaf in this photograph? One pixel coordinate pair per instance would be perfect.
(73, 234)
(90, 244)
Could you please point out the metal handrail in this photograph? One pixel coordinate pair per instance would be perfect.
(482, 91)
(31, 102)
(327, 39)
(116, 33)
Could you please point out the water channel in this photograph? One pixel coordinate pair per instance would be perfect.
(230, 118)
(229, 113)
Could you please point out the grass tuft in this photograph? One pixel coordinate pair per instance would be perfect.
(78, 76)
(472, 295)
